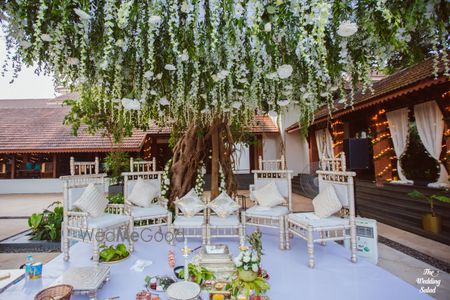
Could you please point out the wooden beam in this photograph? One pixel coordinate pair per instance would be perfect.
(54, 166)
(13, 167)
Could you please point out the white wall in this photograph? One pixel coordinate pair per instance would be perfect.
(242, 159)
(271, 146)
(297, 153)
(296, 146)
(31, 186)
(34, 186)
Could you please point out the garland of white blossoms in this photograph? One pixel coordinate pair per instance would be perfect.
(200, 181)
(165, 179)
(187, 60)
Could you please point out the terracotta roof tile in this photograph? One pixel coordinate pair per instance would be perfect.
(397, 81)
(41, 129)
(36, 125)
(264, 124)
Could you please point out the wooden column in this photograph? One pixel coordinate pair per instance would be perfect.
(337, 128)
(383, 152)
(13, 167)
(54, 166)
(313, 152)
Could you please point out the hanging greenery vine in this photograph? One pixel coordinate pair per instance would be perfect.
(179, 61)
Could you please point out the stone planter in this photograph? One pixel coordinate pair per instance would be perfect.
(432, 223)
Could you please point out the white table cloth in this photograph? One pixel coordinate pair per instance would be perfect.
(334, 276)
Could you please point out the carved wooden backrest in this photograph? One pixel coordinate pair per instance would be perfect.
(74, 187)
(143, 165)
(271, 165)
(334, 164)
(333, 171)
(84, 167)
(282, 179)
(130, 179)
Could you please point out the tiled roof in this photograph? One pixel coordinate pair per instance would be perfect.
(386, 87)
(264, 124)
(36, 125)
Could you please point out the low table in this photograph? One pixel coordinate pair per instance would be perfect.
(85, 280)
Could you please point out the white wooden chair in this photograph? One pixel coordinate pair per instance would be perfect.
(271, 165)
(142, 165)
(271, 217)
(334, 228)
(79, 226)
(157, 214)
(189, 227)
(84, 167)
(229, 227)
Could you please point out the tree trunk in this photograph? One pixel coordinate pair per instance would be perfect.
(215, 163)
(193, 148)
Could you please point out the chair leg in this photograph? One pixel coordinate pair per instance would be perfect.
(310, 245)
(204, 235)
(322, 236)
(208, 234)
(65, 242)
(353, 240)
(130, 234)
(281, 222)
(172, 231)
(241, 235)
(95, 247)
(286, 235)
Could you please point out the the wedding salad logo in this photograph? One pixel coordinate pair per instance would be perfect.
(429, 281)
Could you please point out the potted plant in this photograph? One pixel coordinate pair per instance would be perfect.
(431, 222)
(47, 225)
(113, 254)
(197, 273)
(116, 163)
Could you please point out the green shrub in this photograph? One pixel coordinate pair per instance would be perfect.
(47, 225)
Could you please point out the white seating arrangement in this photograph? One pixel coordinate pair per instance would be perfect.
(84, 167)
(311, 227)
(82, 226)
(142, 165)
(155, 214)
(274, 216)
(190, 226)
(271, 164)
(225, 225)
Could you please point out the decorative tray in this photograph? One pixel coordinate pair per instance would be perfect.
(85, 280)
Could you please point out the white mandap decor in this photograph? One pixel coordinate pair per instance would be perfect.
(168, 60)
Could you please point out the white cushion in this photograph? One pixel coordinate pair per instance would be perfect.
(223, 205)
(92, 201)
(326, 202)
(143, 193)
(276, 211)
(311, 219)
(190, 204)
(182, 221)
(107, 220)
(153, 210)
(268, 195)
(232, 220)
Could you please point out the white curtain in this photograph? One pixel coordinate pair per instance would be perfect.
(399, 128)
(430, 125)
(324, 143)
